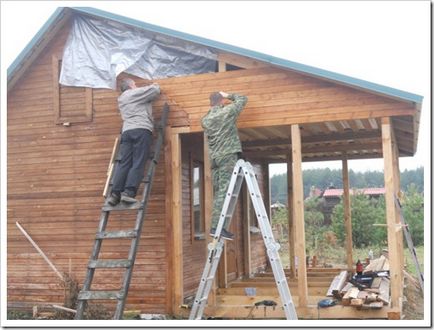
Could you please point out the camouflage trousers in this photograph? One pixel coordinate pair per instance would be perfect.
(221, 176)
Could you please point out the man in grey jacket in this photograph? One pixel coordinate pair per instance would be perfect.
(135, 106)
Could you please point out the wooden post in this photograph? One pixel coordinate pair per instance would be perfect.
(176, 248)
(291, 224)
(392, 235)
(300, 249)
(170, 293)
(347, 215)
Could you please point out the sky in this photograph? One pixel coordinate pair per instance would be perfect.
(382, 42)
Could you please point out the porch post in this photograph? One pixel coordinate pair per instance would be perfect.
(300, 249)
(347, 215)
(290, 209)
(176, 248)
(391, 213)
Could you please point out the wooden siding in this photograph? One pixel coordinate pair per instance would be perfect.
(278, 97)
(56, 176)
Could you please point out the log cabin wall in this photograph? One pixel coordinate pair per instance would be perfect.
(56, 175)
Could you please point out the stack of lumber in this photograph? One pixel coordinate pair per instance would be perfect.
(372, 296)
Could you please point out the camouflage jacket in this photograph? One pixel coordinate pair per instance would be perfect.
(220, 126)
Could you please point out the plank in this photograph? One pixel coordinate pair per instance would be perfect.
(392, 239)
(384, 288)
(342, 278)
(298, 214)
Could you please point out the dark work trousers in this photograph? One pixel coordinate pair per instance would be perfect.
(134, 152)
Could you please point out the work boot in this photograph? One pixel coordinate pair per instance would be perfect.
(126, 198)
(114, 199)
(224, 234)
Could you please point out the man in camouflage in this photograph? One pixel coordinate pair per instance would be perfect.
(224, 145)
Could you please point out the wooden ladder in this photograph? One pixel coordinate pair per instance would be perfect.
(86, 293)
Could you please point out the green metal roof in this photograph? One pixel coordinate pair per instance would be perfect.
(302, 68)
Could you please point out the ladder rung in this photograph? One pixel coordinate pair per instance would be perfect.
(122, 207)
(123, 263)
(100, 295)
(117, 234)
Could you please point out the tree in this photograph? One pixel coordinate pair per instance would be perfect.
(365, 214)
(412, 209)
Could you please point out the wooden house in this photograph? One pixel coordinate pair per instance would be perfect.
(60, 139)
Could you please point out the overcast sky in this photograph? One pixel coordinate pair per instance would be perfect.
(383, 42)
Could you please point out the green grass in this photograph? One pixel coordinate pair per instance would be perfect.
(336, 256)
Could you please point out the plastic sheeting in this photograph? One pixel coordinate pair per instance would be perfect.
(98, 50)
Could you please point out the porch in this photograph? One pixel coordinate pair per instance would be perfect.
(239, 299)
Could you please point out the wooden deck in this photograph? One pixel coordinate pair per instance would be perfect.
(233, 302)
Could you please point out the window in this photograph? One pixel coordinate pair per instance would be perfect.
(71, 104)
(197, 211)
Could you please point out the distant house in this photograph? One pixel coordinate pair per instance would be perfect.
(276, 206)
(332, 196)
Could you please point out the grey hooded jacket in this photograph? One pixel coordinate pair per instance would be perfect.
(135, 106)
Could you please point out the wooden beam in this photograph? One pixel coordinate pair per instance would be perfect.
(347, 215)
(176, 248)
(321, 138)
(298, 213)
(170, 287)
(318, 149)
(290, 202)
(392, 237)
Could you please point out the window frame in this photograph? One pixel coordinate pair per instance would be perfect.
(58, 118)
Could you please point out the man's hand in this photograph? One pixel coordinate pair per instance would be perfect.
(224, 95)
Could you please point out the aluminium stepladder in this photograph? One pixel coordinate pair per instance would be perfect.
(242, 170)
(410, 244)
(134, 234)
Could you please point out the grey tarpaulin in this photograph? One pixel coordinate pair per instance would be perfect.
(98, 50)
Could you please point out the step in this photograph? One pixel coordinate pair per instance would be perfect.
(123, 206)
(116, 234)
(122, 263)
(100, 295)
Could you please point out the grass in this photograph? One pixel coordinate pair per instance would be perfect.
(336, 256)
